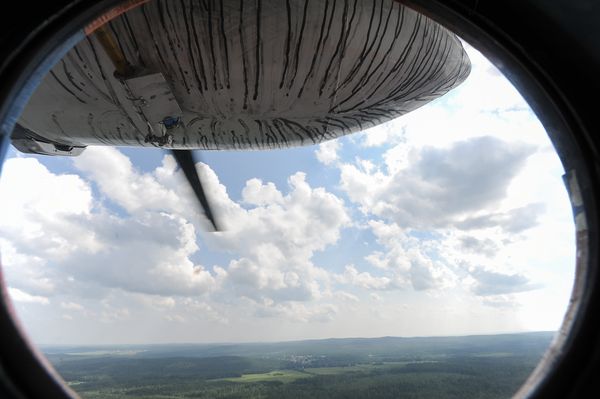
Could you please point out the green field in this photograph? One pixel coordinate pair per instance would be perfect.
(286, 376)
(283, 376)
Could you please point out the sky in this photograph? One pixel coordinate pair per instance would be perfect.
(450, 220)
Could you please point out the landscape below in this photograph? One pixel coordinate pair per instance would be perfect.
(484, 366)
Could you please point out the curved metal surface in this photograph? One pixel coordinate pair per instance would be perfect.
(237, 74)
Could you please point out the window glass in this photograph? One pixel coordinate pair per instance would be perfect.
(431, 255)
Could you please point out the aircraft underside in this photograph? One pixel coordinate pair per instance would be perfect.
(233, 74)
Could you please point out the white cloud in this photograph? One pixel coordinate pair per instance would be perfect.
(408, 261)
(385, 134)
(148, 254)
(501, 301)
(257, 193)
(195, 308)
(21, 296)
(276, 240)
(156, 301)
(118, 179)
(298, 312)
(72, 306)
(376, 297)
(490, 282)
(346, 296)
(26, 272)
(364, 279)
(175, 318)
(148, 249)
(327, 153)
(443, 186)
(481, 166)
(39, 208)
(112, 315)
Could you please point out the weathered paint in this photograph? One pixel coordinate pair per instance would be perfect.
(258, 74)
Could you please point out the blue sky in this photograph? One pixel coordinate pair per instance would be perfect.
(450, 220)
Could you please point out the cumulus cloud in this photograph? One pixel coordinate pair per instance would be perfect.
(146, 251)
(408, 261)
(112, 314)
(443, 208)
(375, 297)
(471, 174)
(175, 318)
(119, 180)
(150, 254)
(273, 277)
(68, 236)
(387, 133)
(26, 272)
(257, 193)
(443, 186)
(38, 207)
(489, 282)
(327, 153)
(156, 301)
(484, 246)
(512, 221)
(364, 279)
(21, 296)
(278, 238)
(148, 246)
(298, 312)
(346, 296)
(500, 301)
(199, 309)
(71, 306)
(423, 274)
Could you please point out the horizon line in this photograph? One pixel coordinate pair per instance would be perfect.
(295, 340)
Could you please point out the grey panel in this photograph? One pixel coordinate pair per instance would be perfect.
(154, 97)
(251, 74)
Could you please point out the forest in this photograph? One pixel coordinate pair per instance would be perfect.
(492, 366)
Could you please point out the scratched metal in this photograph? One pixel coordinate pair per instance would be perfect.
(257, 74)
